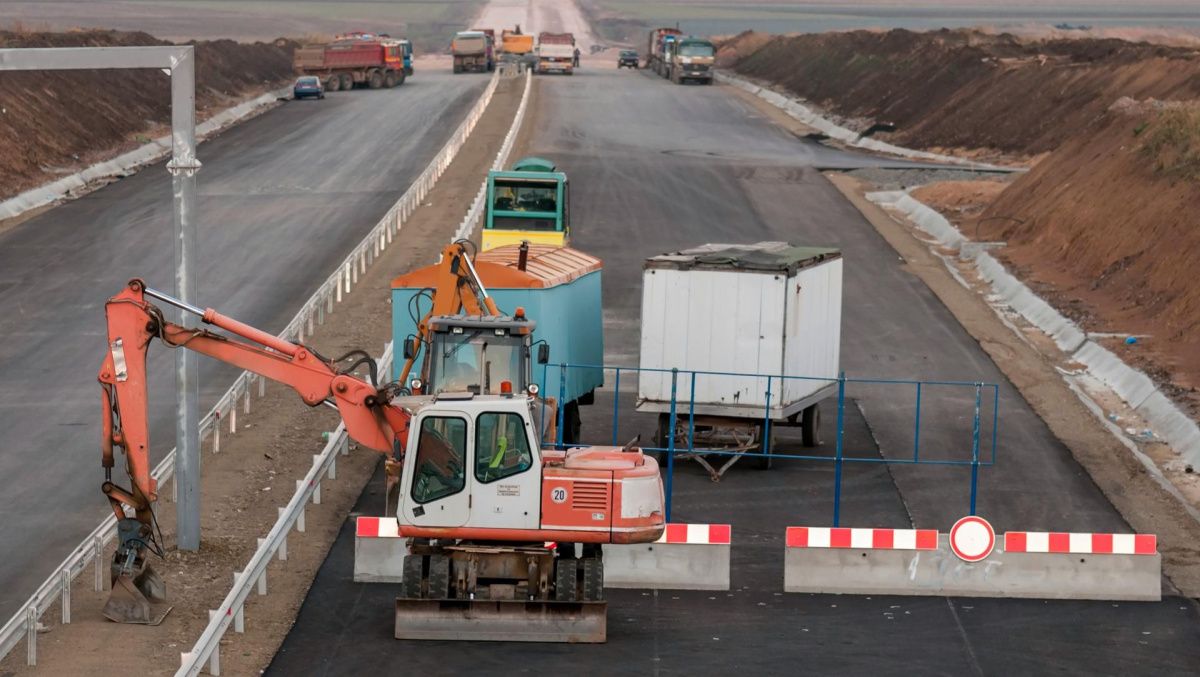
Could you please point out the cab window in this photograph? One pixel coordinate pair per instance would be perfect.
(501, 446)
(440, 467)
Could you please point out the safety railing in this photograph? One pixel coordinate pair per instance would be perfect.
(57, 587)
(691, 405)
(467, 226)
(232, 609)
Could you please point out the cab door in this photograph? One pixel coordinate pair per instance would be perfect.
(438, 492)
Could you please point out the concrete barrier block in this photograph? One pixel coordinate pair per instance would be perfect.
(1035, 565)
(379, 550)
(686, 557)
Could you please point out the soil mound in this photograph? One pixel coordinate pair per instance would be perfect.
(56, 122)
(1109, 233)
(969, 89)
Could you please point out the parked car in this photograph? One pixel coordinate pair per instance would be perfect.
(308, 85)
(627, 57)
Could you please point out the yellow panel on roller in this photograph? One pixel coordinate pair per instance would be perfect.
(499, 238)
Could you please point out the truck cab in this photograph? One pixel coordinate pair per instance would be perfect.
(691, 59)
(406, 49)
(529, 203)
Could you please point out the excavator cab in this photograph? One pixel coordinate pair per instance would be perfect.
(479, 498)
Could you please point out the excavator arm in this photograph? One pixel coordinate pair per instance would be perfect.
(458, 289)
(133, 322)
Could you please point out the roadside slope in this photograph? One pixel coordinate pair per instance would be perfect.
(54, 123)
(965, 89)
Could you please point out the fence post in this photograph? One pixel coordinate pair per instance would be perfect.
(616, 399)
(31, 623)
(837, 467)
(975, 448)
(917, 428)
(562, 405)
(765, 447)
(671, 442)
(692, 415)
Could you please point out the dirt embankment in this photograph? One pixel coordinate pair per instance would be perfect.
(1103, 226)
(967, 89)
(56, 122)
(1107, 230)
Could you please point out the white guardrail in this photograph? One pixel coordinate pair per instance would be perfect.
(57, 588)
(232, 610)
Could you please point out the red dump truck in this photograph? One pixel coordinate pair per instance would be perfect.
(366, 59)
(556, 53)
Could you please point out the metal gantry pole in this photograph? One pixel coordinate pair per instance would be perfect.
(183, 167)
(179, 63)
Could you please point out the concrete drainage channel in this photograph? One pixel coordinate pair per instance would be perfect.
(91, 551)
(1135, 388)
(798, 110)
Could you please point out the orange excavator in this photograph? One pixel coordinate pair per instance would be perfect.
(494, 519)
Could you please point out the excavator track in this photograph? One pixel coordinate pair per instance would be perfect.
(444, 598)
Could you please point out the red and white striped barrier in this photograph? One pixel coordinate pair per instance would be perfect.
(1059, 542)
(685, 557)
(696, 534)
(862, 539)
(376, 527)
(379, 550)
(1029, 564)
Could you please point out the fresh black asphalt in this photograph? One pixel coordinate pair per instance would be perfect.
(656, 167)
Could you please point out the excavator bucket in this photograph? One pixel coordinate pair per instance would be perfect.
(137, 598)
(502, 620)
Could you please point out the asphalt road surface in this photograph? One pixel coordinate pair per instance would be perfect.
(282, 199)
(657, 167)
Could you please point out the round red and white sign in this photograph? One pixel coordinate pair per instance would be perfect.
(972, 538)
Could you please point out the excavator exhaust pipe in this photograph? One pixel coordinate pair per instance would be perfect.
(501, 620)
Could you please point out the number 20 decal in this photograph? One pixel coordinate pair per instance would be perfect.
(558, 495)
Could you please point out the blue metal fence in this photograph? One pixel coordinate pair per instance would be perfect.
(979, 397)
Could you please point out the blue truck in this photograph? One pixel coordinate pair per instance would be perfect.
(550, 297)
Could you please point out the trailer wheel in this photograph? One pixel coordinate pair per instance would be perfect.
(347, 82)
(375, 80)
(389, 80)
(333, 84)
(811, 423)
(566, 584)
(764, 462)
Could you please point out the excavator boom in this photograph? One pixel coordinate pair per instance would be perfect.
(132, 323)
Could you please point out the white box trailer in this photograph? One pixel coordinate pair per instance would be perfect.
(766, 309)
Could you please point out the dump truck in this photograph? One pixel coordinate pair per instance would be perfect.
(658, 47)
(745, 311)
(473, 51)
(556, 315)
(556, 53)
(366, 59)
(531, 202)
(494, 519)
(515, 43)
(690, 59)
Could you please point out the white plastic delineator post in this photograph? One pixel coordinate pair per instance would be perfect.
(379, 550)
(686, 557)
